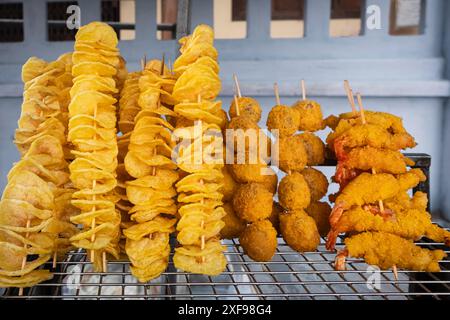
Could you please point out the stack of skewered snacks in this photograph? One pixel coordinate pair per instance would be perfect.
(128, 109)
(252, 207)
(296, 226)
(45, 101)
(311, 121)
(40, 138)
(29, 222)
(152, 193)
(200, 155)
(373, 204)
(92, 131)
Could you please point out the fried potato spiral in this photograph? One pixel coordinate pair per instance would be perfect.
(92, 131)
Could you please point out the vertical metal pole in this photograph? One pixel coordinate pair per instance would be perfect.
(183, 18)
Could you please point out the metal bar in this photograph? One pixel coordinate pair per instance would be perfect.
(183, 18)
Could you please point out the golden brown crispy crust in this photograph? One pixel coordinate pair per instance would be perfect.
(386, 250)
(320, 212)
(259, 240)
(248, 107)
(244, 173)
(229, 185)
(252, 202)
(292, 153)
(274, 218)
(299, 231)
(311, 118)
(315, 148)
(317, 183)
(233, 224)
(293, 192)
(283, 118)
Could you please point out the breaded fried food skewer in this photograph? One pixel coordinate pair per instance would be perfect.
(388, 251)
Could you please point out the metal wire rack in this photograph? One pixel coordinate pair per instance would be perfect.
(289, 275)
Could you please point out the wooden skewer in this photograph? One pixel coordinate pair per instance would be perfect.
(302, 84)
(236, 103)
(202, 246)
(277, 93)
(350, 97)
(236, 83)
(380, 202)
(24, 260)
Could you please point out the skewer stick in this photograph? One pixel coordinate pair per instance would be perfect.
(277, 93)
(236, 103)
(236, 83)
(199, 99)
(350, 97)
(380, 202)
(24, 260)
(302, 84)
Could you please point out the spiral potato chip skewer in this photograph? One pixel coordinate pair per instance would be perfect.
(199, 193)
(153, 215)
(92, 131)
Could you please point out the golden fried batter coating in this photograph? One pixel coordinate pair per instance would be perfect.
(386, 250)
(293, 192)
(409, 223)
(274, 218)
(243, 173)
(283, 118)
(369, 188)
(382, 160)
(233, 224)
(229, 185)
(369, 135)
(242, 122)
(320, 212)
(248, 107)
(311, 118)
(299, 231)
(317, 183)
(292, 155)
(247, 132)
(270, 181)
(315, 148)
(259, 240)
(252, 202)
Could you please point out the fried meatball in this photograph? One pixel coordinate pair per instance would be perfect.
(252, 202)
(274, 218)
(299, 231)
(223, 115)
(233, 224)
(310, 113)
(293, 192)
(259, 240)
(248, 107)
(315, 148)
(283, 118)
(292, 154)
(251, 137)
(317, 183)
(270, 181)
(229, 185)
(244, 173)
(320, 212)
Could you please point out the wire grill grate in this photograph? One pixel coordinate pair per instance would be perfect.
(289, 275)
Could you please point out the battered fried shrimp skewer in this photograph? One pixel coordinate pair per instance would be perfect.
(370, 188)
(409, 223)
(388, 251)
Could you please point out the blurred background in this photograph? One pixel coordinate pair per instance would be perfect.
(395, 52)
